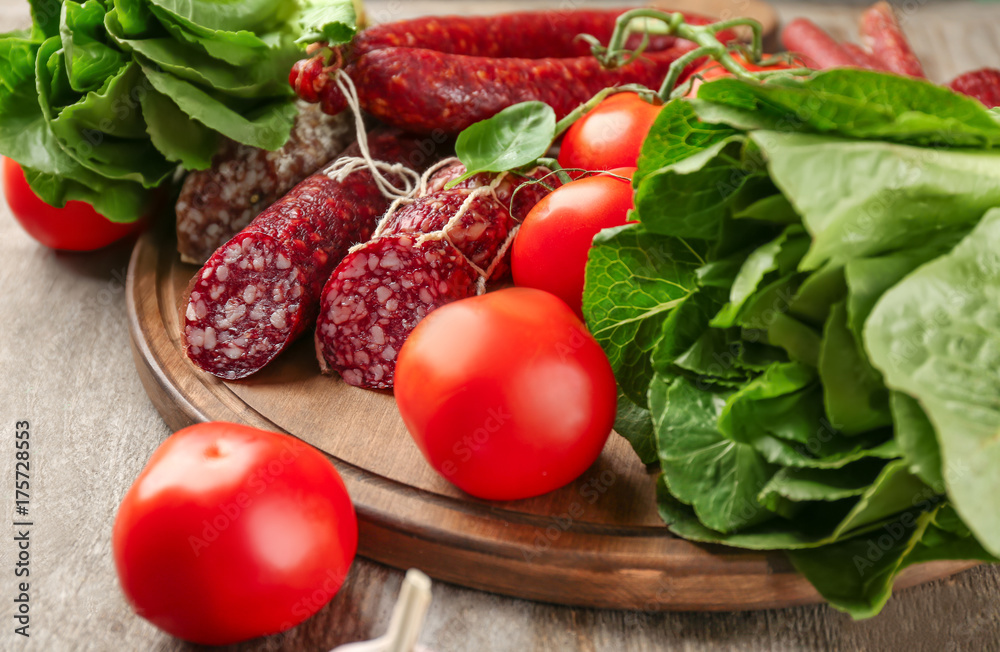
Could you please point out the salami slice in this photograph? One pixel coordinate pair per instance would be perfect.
(216, 204)
(983, 84)
(260, 291)
(376, 297)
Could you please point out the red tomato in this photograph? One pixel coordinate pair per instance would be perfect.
(231, 532)
(506, 394)
(550, 251)
(610, 136)
(715, 70)
(76, 227)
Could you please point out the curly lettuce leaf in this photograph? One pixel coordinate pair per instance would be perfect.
(266, 127)
(89, 60)
(633, 280)
(330, 22)
(176, 135)
(268, 78)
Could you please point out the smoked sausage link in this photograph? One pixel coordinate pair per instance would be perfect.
(817, 48)
(885, 38)
(377, 296)
(448, 73)
(260, 291)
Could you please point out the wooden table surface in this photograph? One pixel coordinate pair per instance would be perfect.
(65, 365)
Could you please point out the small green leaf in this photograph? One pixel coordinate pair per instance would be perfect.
(331, 22)
(515, 137)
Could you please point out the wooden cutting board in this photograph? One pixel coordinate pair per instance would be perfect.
(598, 542)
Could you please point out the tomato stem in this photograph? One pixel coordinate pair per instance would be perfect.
(557, 169)
(704, 36)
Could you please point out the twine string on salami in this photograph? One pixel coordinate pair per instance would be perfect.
(342, 167)
(481, 282)
(444, 233)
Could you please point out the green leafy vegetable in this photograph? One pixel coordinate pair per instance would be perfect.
(634, 279)
(910, 193)
(720, 478)
(820, 373)
(936, 337)
(854, 394)
(917, 440)
(517, 136)
(100, 101)
(635, 424)
(853, 103)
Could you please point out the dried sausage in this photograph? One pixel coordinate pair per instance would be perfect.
(431, 251)
(452, 72)
(376, 297)
(216, 204)
(260, 291)
(817, 48)
(887, 42)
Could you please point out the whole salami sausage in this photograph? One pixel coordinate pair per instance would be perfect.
(524, 35)
(887, 42)
(808, 40)
(428, 253)
(984, 85)
(216, 204)
(260, 291)
(449, 73)
(862, 57)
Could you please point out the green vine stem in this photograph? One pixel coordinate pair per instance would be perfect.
(704, 36)
(557, 169)
(589, 105)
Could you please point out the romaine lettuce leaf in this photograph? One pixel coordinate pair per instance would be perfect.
(859, 104)
(936, 337)
(866, 198)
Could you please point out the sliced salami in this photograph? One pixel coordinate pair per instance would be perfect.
(433, 250)
(376, 297)
(260, 291)
(471, 220)
(984, 85)
(216, 204)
